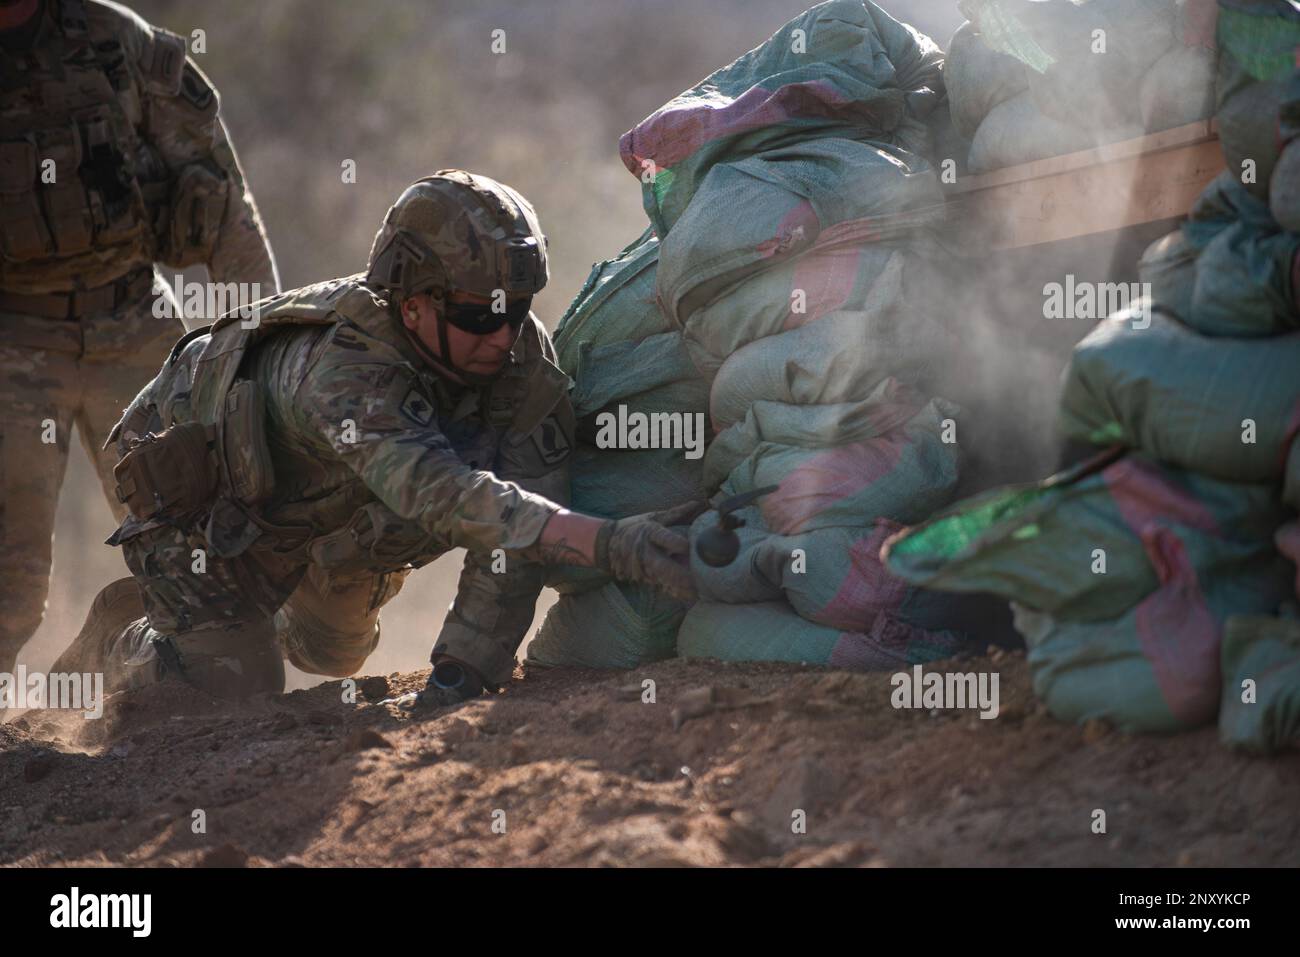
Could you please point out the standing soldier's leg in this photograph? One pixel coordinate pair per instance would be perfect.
(37, 396)
(124, 351)
(330, 624)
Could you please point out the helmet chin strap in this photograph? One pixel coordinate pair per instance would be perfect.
(443, 364)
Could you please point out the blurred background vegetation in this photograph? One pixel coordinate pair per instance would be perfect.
(405, 87)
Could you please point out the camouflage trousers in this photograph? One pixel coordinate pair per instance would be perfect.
(230, 625)
(54, 374)
(227, 622)
(329, 626)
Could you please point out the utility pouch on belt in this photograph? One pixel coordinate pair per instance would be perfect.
(248, 457)
(23, 232)
(168, 473)
(375, 539)
(198, 207)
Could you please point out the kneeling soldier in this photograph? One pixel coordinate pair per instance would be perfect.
(286, 470)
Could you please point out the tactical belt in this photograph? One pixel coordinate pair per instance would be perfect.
(82, 302)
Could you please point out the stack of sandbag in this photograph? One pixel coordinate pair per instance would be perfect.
(1232, 268)
(620, 350)
(1156, 586)
(1147, 583)
(1128, 573)
(796, 204)
(1028, 79)
(843, 69)
(1123, 574)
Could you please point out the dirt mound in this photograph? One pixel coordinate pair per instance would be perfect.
(579, 768)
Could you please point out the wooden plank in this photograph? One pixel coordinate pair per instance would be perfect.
(1138, 181)
(1188, 135)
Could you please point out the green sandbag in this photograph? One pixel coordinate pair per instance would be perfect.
(1178, 89)
(832, 576)
(1185, 399)
(793, 294)
(978, 78)
(1168, 267)
(752, 214)
(772, 631)
(1257, 43)
(621, 350)
(652, 374)
(1038, 544)
(1155, 667)
(1248, 129)
(1291, 483)
(1017, 131)
(1284, 184)
(843, 68)
(1247, 265)
(902, 475)
(616, 304)
(889, 406)
(1070, 79)
(1266, 651)
(1284, 188)
(616, 626)
(1261, 36)
(620, 483)
(842, 357)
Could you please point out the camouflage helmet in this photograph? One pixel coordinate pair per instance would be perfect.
(458, 231)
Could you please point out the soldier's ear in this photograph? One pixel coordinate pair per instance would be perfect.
(410, 312)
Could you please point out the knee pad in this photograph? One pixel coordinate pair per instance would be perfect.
(318, 649)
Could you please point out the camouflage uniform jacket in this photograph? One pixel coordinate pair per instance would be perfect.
(386, 463)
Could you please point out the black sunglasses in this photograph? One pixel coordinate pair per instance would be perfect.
(482, 320)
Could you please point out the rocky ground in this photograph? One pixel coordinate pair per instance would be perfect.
(575, 768)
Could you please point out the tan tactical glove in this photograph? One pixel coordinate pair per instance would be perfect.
(643, 549)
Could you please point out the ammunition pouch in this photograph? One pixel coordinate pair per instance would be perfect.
(91, 200)
(198, 207)
(168, 474)
(250, 472)
(23, 233)
(375, 539)
(66, 204)
(247, 476)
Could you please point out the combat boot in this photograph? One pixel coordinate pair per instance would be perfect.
(113, 611)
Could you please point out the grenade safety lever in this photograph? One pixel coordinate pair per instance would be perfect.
(719, 545)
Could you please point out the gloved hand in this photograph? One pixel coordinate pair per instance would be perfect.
(640, 549)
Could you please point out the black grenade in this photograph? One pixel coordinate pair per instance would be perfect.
(719, 544)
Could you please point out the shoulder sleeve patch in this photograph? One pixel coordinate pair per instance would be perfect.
(162, 62)
(403, 395)
(416, 407)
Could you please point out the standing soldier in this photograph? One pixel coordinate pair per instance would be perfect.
(286, 470)
(112, 157)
